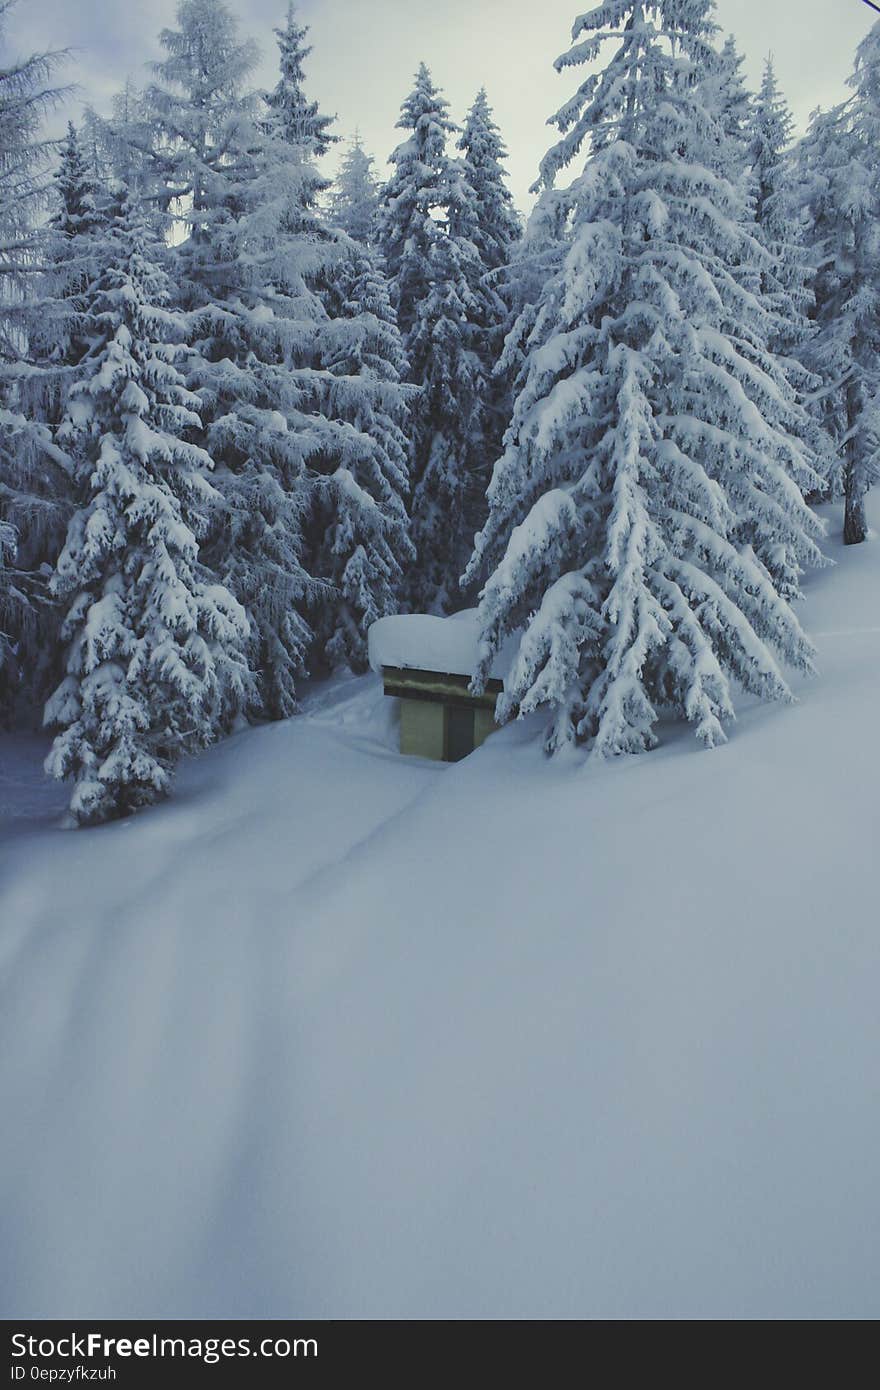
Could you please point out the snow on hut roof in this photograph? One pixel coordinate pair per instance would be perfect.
(418, 641)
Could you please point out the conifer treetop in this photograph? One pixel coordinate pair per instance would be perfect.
(26, 152)
(75, 186)
(419, 188)
(299, 121)
(424, 112)
(206, 58)
(354, 200)
(496, 225)
(603, 107)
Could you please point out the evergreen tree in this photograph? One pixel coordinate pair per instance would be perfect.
(120, 149)
(536, 259)
(26, 155)
(727, 94)
(840, 172)
(484, 216)
(153, 661)
(417, 190)
(430, 223)
(256, 273)
(61, 334)
(297, 120)
(449, 424)
(55, 335)
(76, 213)
(647, 509)
(354, 201)
(252, 315)
(785, 275)
(494, 226)
(33, 480)
(785, 280)
(360, 522)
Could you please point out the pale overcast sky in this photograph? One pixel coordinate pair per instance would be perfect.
(366, 51)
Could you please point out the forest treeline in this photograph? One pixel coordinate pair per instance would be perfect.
(247, 409)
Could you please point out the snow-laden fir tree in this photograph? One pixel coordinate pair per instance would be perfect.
(453, 347)
(55, 333)
(76, 213)
(538, 256)
(354, 198)
(26, 153)
(61, 333)
(357, 542)
(647, 508)
(297, 120)
(839, 162)
(154, 662)
(494, 228)
(785, 279)
(118, 148)
(481, 212)
(414, 197)
(450, 423)
(730, 99)
(256, 269)
(359, 523)
(787, 271)
(33, 478)
(434, 213)
(252, 313)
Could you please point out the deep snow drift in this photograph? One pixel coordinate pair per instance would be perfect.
(340, 1033)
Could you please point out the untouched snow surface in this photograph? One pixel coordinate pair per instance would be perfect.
(339, 1033)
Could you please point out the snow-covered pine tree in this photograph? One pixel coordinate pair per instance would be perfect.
(730, 99)
(26, 154)
(297, 120)
(118, 149)
(449, 423)
(414, 196)
(359, 521)
(839, 163)
(646, 510)
(357, 528)
(33, 481)
(483, 215)
(494, 228)
(354, 199)
(252, 315)
(61, 334)
(785, 275)
(55, 333)
(538, 256)
(154, 664)
(785, 280)
(76, 213)
(428, 214)
(256, 269)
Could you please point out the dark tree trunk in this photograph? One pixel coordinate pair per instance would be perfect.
(855, 527)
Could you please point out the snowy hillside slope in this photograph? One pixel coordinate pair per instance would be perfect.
(339, 1033)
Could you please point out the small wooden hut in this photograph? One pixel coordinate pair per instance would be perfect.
(426, 663)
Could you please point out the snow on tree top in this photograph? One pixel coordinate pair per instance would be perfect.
(419, 641)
